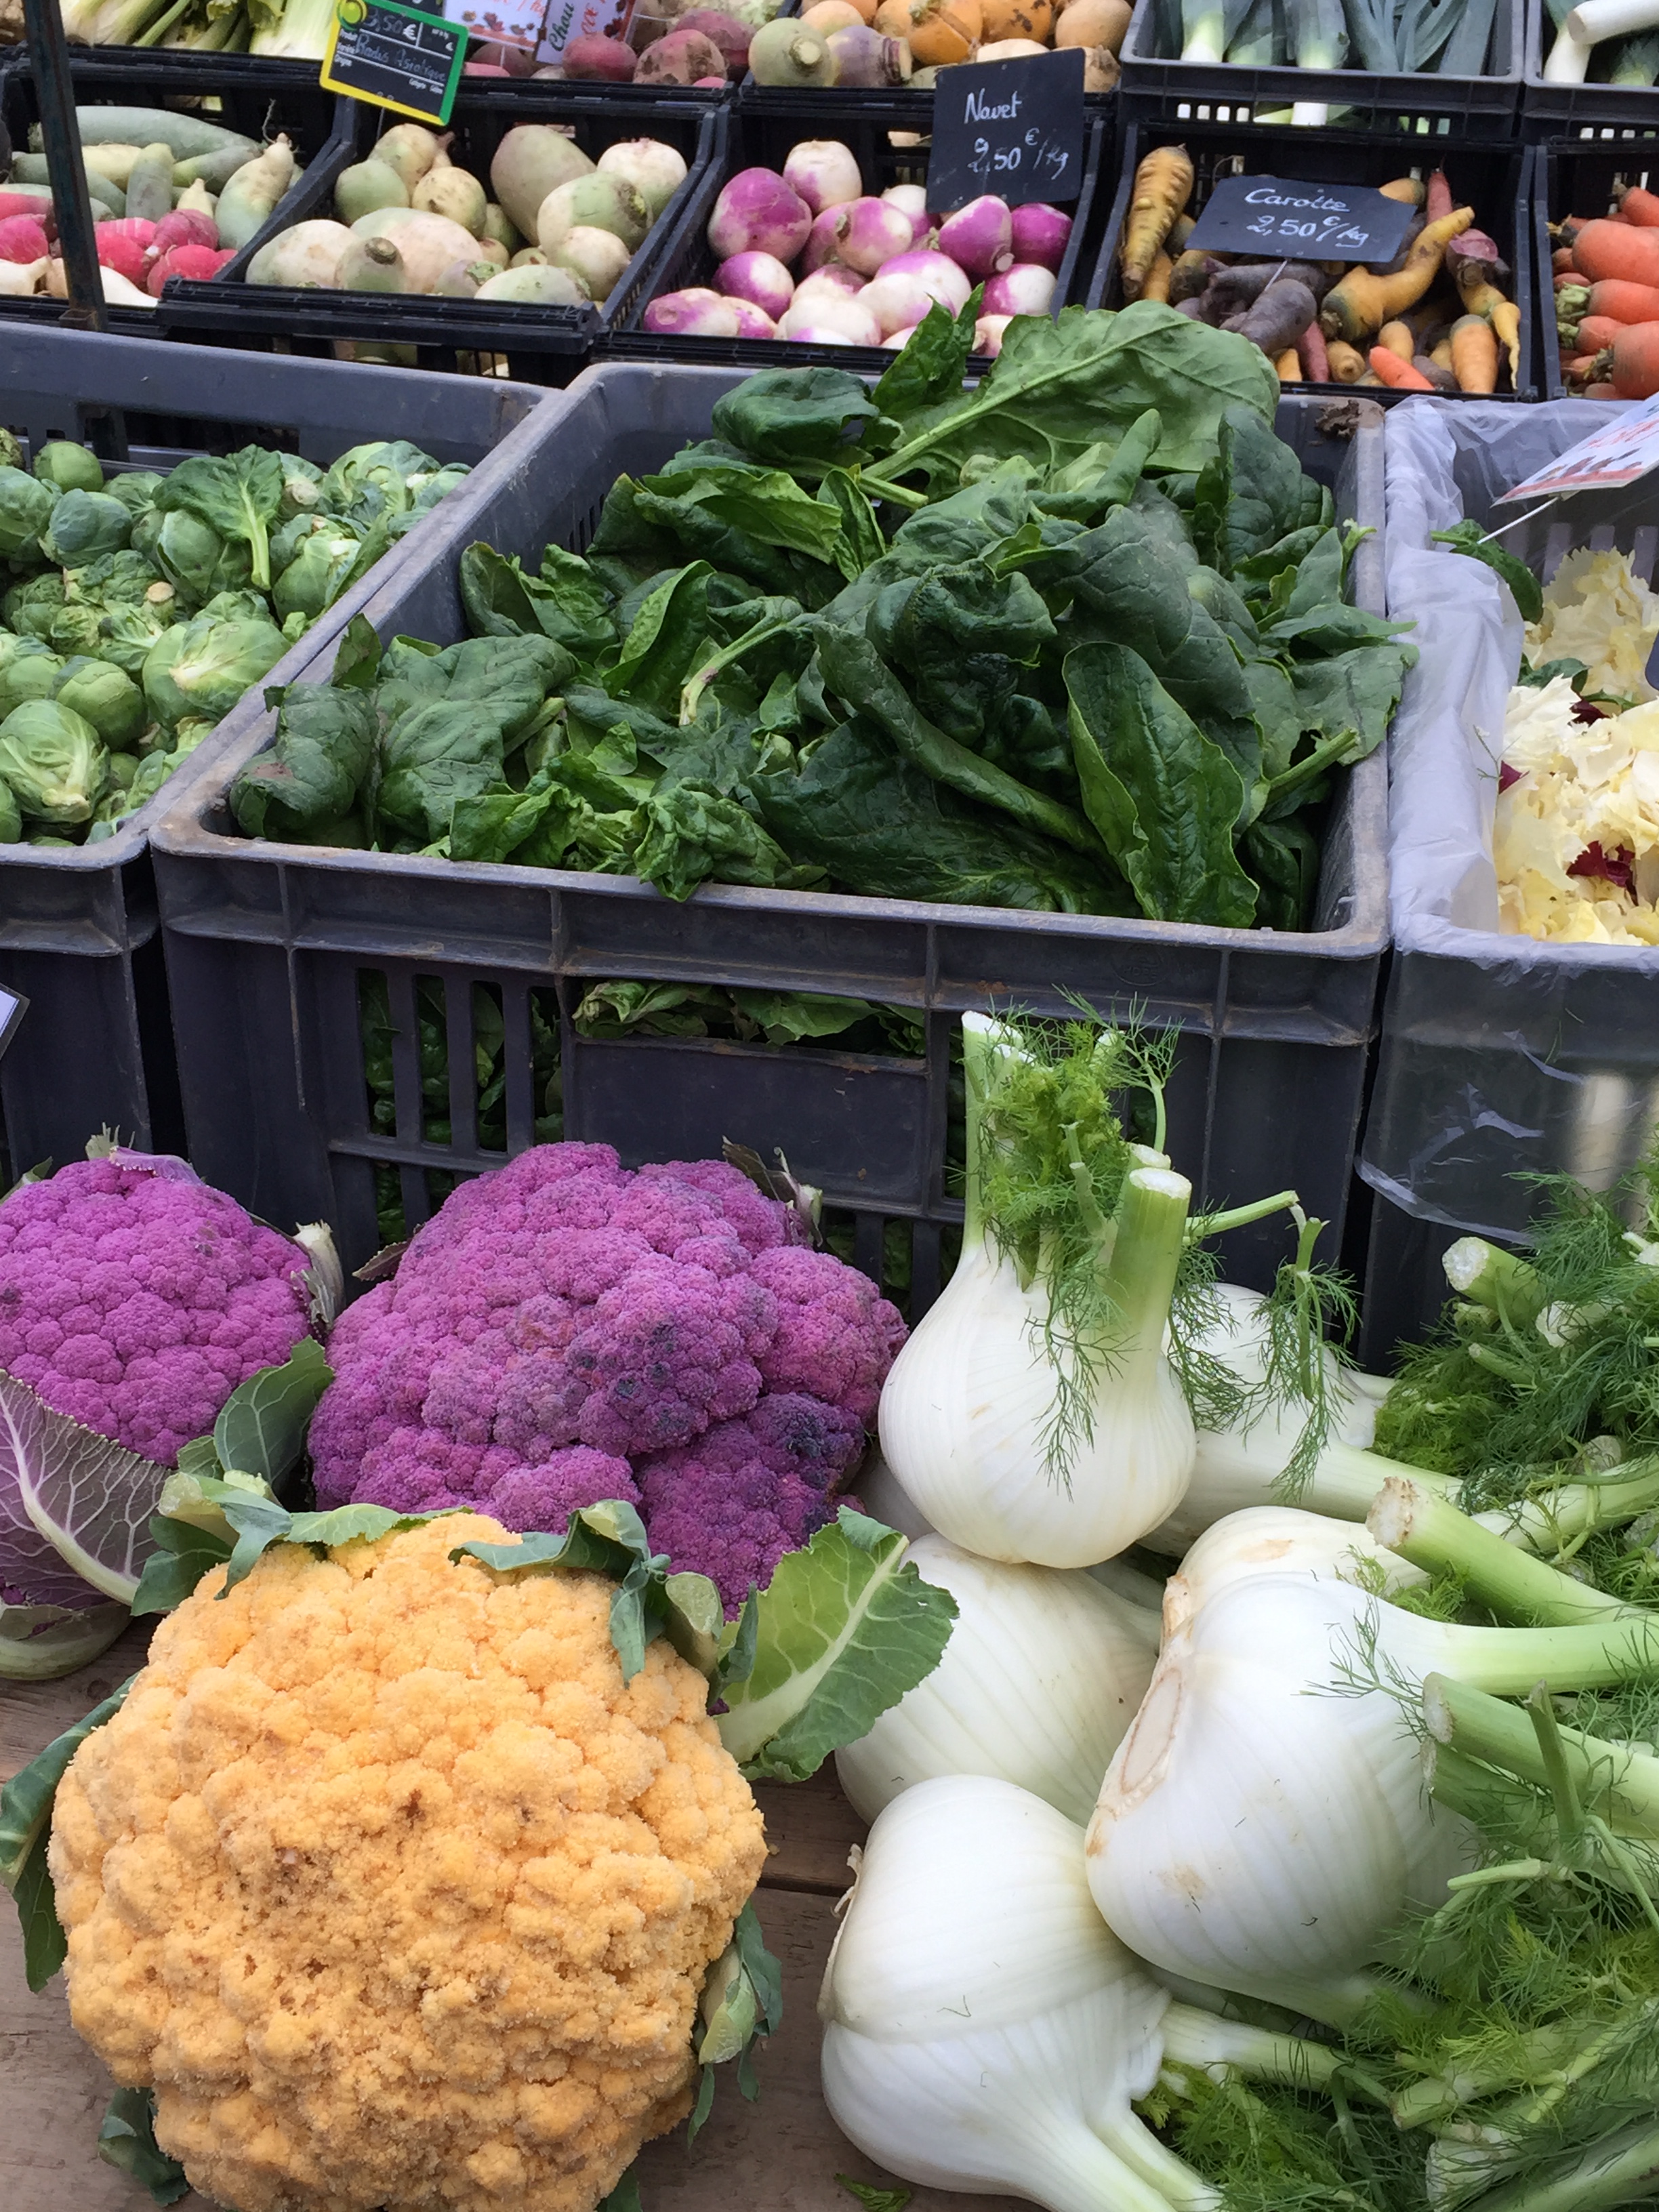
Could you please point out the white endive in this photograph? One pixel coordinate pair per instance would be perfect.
(1019, 1431)
(1043, 1673)
(983, 2028)
(1263, 1827)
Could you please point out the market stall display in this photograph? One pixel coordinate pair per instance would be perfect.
(814, 45)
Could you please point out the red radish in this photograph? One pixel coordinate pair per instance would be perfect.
(515, 61)
(22, 238)
(135, 227)
(199, 262)
(1041, 234)
(125, 254)
(708, 83)
(184, 226)
(600, 61)
(23, 203)
(484, 68)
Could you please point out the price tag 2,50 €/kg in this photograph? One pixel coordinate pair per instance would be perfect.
(1013, 128)
(1279, 216)
(395, 57)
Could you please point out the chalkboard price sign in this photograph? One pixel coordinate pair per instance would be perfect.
(1014, 128)
(395, 57)
(1304, 222)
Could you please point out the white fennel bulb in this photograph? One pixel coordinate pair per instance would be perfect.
(984, 2030)
(1043, 1673)
(1033, 1416)
(1279, 1540)
(1264, 1827)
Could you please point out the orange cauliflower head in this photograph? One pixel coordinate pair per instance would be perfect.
(393, 1891)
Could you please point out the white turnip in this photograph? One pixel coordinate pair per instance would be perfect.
(913, 199)
(789, 53)
(598, 257)
(453, 193)
(536, 286)
(850, 318)
(428, 243)
(752, 321)
(308, 256)
(655, 171)
(823, 239)
(599, 202)
(366, 186)
(531, 161)
(842, 283)
(935, 274)
(988, 334)
(409, 149)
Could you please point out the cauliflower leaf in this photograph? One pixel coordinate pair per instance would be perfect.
(127, 2141)
(844, 1629)
(83, 1499)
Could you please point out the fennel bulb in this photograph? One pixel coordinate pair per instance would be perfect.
(1263, 1827)
(1282, 1540)
(1043, 1673)
(1033, 1416)
(984, 2030)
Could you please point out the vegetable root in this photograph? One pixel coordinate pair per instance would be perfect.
(1164, 184)
(1398, 375)
(1474, 355)
(1358, 307)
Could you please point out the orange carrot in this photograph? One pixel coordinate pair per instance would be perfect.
(1561, 259)
(1474, 355)
(1597, 332)
(1580, 365)
(1564, 277)
(1602, 391)
(1625, 302)
(1439, 201)
(1389, 369)
(1631, 361)
(1640, 207)
(1607, 249)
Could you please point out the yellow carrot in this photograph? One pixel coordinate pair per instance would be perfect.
(1357, 308)
(1156, 286)
(1288, 365)
(1473, 353)
(1505, 319)
(1399, 338)
(1347, 364)
(1164, 184)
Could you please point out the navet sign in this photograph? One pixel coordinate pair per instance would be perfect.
(1301, 222)
(1014, 128)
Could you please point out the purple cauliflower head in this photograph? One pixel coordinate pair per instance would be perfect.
(566, 1330)
(135, 1298)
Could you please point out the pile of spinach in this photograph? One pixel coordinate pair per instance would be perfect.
(1073, 640)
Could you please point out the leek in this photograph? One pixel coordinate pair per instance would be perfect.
(300, 35)
(1636, 60)
(1203, 31)
(1318, 40)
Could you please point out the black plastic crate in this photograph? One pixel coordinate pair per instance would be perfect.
(760, 138)
(1157, 88)
(266, 943)
(1493, 180)
(281, 97)
(1585, 111)
(78, 927)
(545, 344)
(1574, 177)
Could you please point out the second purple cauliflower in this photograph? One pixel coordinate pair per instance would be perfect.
(567, 1330)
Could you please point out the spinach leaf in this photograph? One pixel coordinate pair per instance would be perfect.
(965, 636)
(1251, 494)
(447, 721)
(1284, 857)
(855, 671)
(1164, 797)
(786, 416)
(1351, 695)
(1524, 587)
(860, 541)
(240, 497)
(884, 829)
(686, 833)
(325, 741)
(766, 505)
(932, 363)
(1255, 574)
(664, 640)
(1104, 475)
(563, 602)
(1058, 386)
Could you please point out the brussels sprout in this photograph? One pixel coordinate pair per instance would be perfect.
(200, 668)
(317, 574)
(53, 760)
(26, 509)
(135, 489)
(31, 672)
(192, 554)
(71, 468)
(11, 816)
(11, 453)
(85, 526)
(100, 693)
(376, 478)
(116, 576)
(123, 767)
(75, 630)
(236, 606)
(44, 837)
(29, 607)
(425, 492)
(301, 489)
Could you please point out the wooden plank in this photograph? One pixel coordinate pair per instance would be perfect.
(810, 1829)
(32, 1713)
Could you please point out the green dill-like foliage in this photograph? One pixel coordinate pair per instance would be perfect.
(1309, 1313)
(1272, 2149)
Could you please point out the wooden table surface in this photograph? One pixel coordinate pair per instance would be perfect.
(781, 2155)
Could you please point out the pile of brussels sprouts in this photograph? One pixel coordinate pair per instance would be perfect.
(144, 606)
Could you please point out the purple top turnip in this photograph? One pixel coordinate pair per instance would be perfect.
(979, 238)
(1025, 289)
(1039, 235)
(758, 213)
(875, 232)
(759, 278)
(824, 173)
(697, 313)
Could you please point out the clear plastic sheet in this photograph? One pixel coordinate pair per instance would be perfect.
(1500, 1057)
